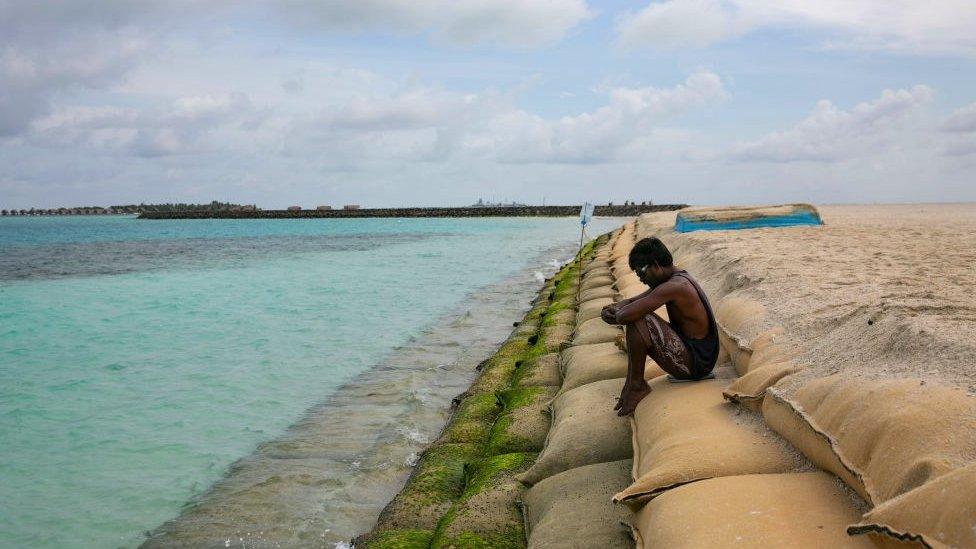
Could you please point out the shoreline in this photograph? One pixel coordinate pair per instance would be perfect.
(348, 455)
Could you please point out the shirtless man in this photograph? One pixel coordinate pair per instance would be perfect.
(687, 347)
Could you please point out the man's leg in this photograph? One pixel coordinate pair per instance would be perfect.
(651, 336)
(635, 388)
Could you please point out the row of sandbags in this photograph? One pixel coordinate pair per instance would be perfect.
(906, 447)
(586, 457)
(463, 491)
(697, 470)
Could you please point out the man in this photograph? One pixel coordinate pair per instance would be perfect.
(687, 347)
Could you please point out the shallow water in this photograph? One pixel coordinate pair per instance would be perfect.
(141, 358)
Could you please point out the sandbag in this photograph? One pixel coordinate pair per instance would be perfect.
(939, 514)
(684, 432)
(557, 335)
(524, 421)
(750, 389)
(583, 364)
(632, 291)
(809, 510)
(739, 321)
(596, 330)
(435, 482)
(596, 293)
(621, 266)
(882, 437)
(625, 280)
(591, 309)
(600, 271)
(541, 370)
(487, 513)
(471, 422)
(596, 264)
(572, 509)
(585, 429)
(596, 282)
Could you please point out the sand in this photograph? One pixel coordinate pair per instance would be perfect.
(879, 290)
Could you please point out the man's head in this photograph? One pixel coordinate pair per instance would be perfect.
(652, 261)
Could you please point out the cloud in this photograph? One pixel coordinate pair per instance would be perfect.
(46, 49)
(607, 134)
(186, 126)
(830, 134)
(938, 26)
(519, 23)
(962, 120)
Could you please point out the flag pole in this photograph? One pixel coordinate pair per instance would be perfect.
(585, 213)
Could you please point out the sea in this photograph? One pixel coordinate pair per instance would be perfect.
(275, 377)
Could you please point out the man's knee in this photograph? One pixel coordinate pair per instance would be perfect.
(635, 339)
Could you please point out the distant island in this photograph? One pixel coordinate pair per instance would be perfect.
(129, 209)
(351, 211)
(228, 210)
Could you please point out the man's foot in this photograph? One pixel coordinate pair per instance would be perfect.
(630, 399)
(620, 399)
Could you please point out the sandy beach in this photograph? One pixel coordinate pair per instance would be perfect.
(883, 290)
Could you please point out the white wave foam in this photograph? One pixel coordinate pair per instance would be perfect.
(539, 276)
(412, 459)
(413, 434)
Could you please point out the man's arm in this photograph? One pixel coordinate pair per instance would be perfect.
(645, 303)
(623, 302)
(608, 312)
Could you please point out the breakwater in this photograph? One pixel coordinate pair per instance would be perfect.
(490, 211)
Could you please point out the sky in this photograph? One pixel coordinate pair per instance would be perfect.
(442, 102)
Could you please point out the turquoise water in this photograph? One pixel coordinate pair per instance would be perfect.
(140, 358)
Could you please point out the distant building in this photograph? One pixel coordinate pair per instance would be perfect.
(351, 207)
(482, 203)
(294, 208)
(323, 208)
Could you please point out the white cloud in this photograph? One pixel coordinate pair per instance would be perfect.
(606, 134)
(506, 22)
(962, 120)
(830, 134)
(50, 49)
(176, 129)
(937, 26)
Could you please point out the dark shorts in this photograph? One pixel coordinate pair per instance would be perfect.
(666, 347)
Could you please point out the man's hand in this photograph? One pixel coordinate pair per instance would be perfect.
(608, 313)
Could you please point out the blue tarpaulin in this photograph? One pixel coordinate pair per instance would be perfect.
(723, 219)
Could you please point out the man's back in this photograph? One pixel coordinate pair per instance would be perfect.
(686, 312)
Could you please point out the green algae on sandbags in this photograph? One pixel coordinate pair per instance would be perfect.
(395, 539)
(487, 514)
(473, 419)
(437, 480)
(524, 422)
(542, 370)
(497, 371)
